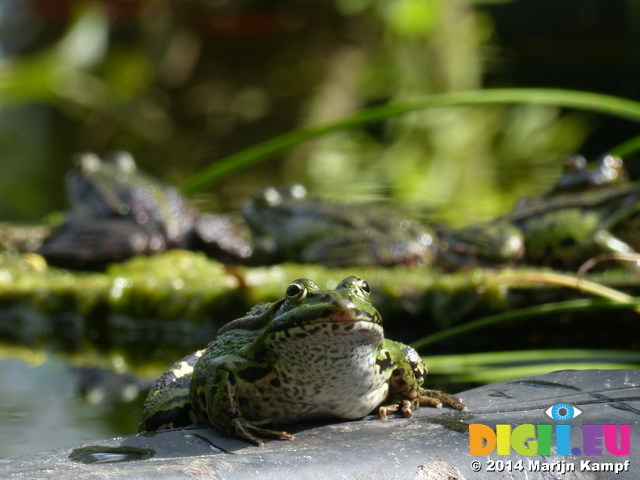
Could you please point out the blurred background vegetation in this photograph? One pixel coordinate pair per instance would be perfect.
(182, 84)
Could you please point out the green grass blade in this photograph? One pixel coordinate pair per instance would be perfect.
(507, 373)
(594, 102)
(469, 362)
(538, 310)
(497, 366)
(627, 148)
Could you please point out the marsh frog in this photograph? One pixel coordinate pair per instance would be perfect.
(117, 212)
(288, 226)
(588, 212)
(311, 355)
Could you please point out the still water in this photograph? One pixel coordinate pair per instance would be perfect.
(41, 408)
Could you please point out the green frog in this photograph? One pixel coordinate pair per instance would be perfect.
(588, 212)
(311, 355)
(117, 212)
(288, 226)
(116, 188)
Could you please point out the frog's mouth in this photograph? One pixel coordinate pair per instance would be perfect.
(328, 335)
(350, 316)
(330, 328)
(333, 317)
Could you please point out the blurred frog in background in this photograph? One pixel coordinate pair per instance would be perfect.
(590, 211)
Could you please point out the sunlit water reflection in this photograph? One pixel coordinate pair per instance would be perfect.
(41, 409)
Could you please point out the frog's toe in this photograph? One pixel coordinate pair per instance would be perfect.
(263, 432)
(406, 407)
(437, 398)
(239, 429)
(387, 409)
(433, 401)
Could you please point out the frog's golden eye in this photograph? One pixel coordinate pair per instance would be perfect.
(296, 291)
(364, 286)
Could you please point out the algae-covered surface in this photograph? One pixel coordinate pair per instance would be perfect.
(146, 309)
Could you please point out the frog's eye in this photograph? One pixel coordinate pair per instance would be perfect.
(296, 291)
(124, 161)
(271, 197)
(88, 162)
(365, 288)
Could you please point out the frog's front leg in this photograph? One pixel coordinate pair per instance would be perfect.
(221, 402)
(405, 383)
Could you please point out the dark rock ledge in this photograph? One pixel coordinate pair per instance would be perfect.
(432, 445)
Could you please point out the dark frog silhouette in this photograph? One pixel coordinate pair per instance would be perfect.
(118, 212)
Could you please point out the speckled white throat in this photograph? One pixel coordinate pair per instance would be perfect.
(321, 370)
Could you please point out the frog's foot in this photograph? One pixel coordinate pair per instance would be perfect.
(406, 407)
(249, 432)
(436, 398)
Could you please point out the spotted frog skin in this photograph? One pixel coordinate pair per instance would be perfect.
(587, 213)
(286, 225)
(310, 355)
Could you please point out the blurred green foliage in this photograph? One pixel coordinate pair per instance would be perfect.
(184, 84)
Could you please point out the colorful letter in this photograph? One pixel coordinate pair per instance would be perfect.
(544, 439)
(611, 440)
(522, 434)
(592, 439)
(563, 439)
(503, 432)
(479, 433)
